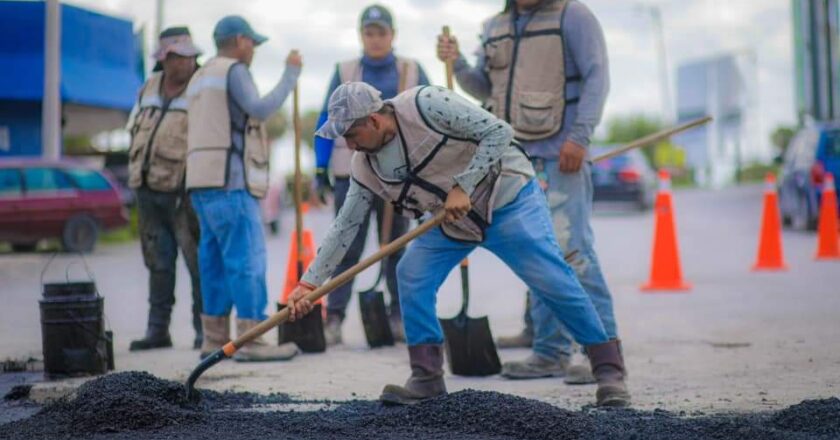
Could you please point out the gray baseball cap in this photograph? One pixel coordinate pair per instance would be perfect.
(349, 102)
(377, 15)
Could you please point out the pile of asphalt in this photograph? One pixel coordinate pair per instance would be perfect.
(138, 405)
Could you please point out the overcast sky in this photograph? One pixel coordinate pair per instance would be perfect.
(325, 31)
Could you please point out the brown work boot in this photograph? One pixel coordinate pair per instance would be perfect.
(535, 367)
(524, 339)
(608, 369)
(216, 331)
(426, 377)
(258, 350)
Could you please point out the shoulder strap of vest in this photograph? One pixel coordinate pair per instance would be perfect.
(349, 71)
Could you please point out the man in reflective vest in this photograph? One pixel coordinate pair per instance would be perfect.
(543, 68)
(227, 172)
(427, 150)
(386, 72)
(156, 165)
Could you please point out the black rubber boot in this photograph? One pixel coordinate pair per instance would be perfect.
(155, 338)
(426, 377)
(608, 369)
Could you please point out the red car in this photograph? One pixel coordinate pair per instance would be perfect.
(65, 200)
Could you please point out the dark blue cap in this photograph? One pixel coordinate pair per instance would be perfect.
(378, 15)
(234, 25)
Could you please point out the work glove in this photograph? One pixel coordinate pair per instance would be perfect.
(322, 184)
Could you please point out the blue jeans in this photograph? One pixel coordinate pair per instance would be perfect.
(522, 237)
(231, 253)
(570, 202)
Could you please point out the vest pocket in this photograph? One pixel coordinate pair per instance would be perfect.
(498, 54)
(166, 170)
(256, 160)
(536, 112)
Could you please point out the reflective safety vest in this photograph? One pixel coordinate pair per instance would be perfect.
(433, 160)
(351, 71)
(158, 139)
(210, 139)
(527, 71)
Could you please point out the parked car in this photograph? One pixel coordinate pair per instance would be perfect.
(626, 178)
(812, 153)
(64, 200)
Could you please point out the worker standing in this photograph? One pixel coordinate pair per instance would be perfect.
(381, 68)
(543, 68)
(227, 171)
(156, 166)
(429, 149)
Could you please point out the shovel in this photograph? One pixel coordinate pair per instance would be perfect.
(372, 301)
(282, 316)
(308, 332)
(469, 342)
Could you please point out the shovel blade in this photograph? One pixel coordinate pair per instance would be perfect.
(470, 347)
(375, 318)
(307, 333)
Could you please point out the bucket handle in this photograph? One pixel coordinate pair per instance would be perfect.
(67, 268)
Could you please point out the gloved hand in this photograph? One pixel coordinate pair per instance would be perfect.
(322, 184)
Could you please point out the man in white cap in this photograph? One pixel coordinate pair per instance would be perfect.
(427, 150)
(156, 173)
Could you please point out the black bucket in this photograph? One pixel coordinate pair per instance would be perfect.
(73, 335)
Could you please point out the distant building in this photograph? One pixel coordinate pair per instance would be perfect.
(100, 73)
(816, 45)
(723, 87)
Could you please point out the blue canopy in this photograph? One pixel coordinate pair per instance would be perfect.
(99, 60)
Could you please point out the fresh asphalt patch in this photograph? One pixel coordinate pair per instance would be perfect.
(138, 405)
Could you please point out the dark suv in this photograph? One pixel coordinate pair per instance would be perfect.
(65, 200)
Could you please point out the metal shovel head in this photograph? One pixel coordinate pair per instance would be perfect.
(470, 347)
(375, 318)
(307, 333)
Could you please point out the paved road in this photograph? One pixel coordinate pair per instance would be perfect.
(738, 340)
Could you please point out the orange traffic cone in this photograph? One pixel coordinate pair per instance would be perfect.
(665, 271)
(292, 269)
(770, 255)
(828, 241)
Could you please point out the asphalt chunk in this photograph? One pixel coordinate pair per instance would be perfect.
(138, 405)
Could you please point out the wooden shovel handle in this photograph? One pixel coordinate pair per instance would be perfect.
(653, 138)
(283, 315)
(298, 190)
(449, 84)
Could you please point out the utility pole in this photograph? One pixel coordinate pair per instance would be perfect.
(158, 19)
(51, 102)
(655, 12)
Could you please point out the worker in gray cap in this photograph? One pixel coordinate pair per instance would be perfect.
(227, 172)
(156, 165)
(391, 74)
(427, 150)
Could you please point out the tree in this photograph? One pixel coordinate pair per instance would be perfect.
(624, 129)
(277, 125)
(781, 137)
(307, 126)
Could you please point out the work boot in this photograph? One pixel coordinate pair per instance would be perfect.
(396, 324)
(426, 377)
(332, 330)
(608, 369)
(216, 333)
(579, 374)
(524, 339)
(535, 367)
(258, 350)
(156, 337)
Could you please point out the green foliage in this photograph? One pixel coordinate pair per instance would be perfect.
(307, 126)
(277, 125)
(77, 145)
(624, 129)
(781, 137)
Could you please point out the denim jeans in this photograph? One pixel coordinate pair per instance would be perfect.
(231, 256)
(569, 198)
(338, 300)
(521, 236)
(166, 222)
